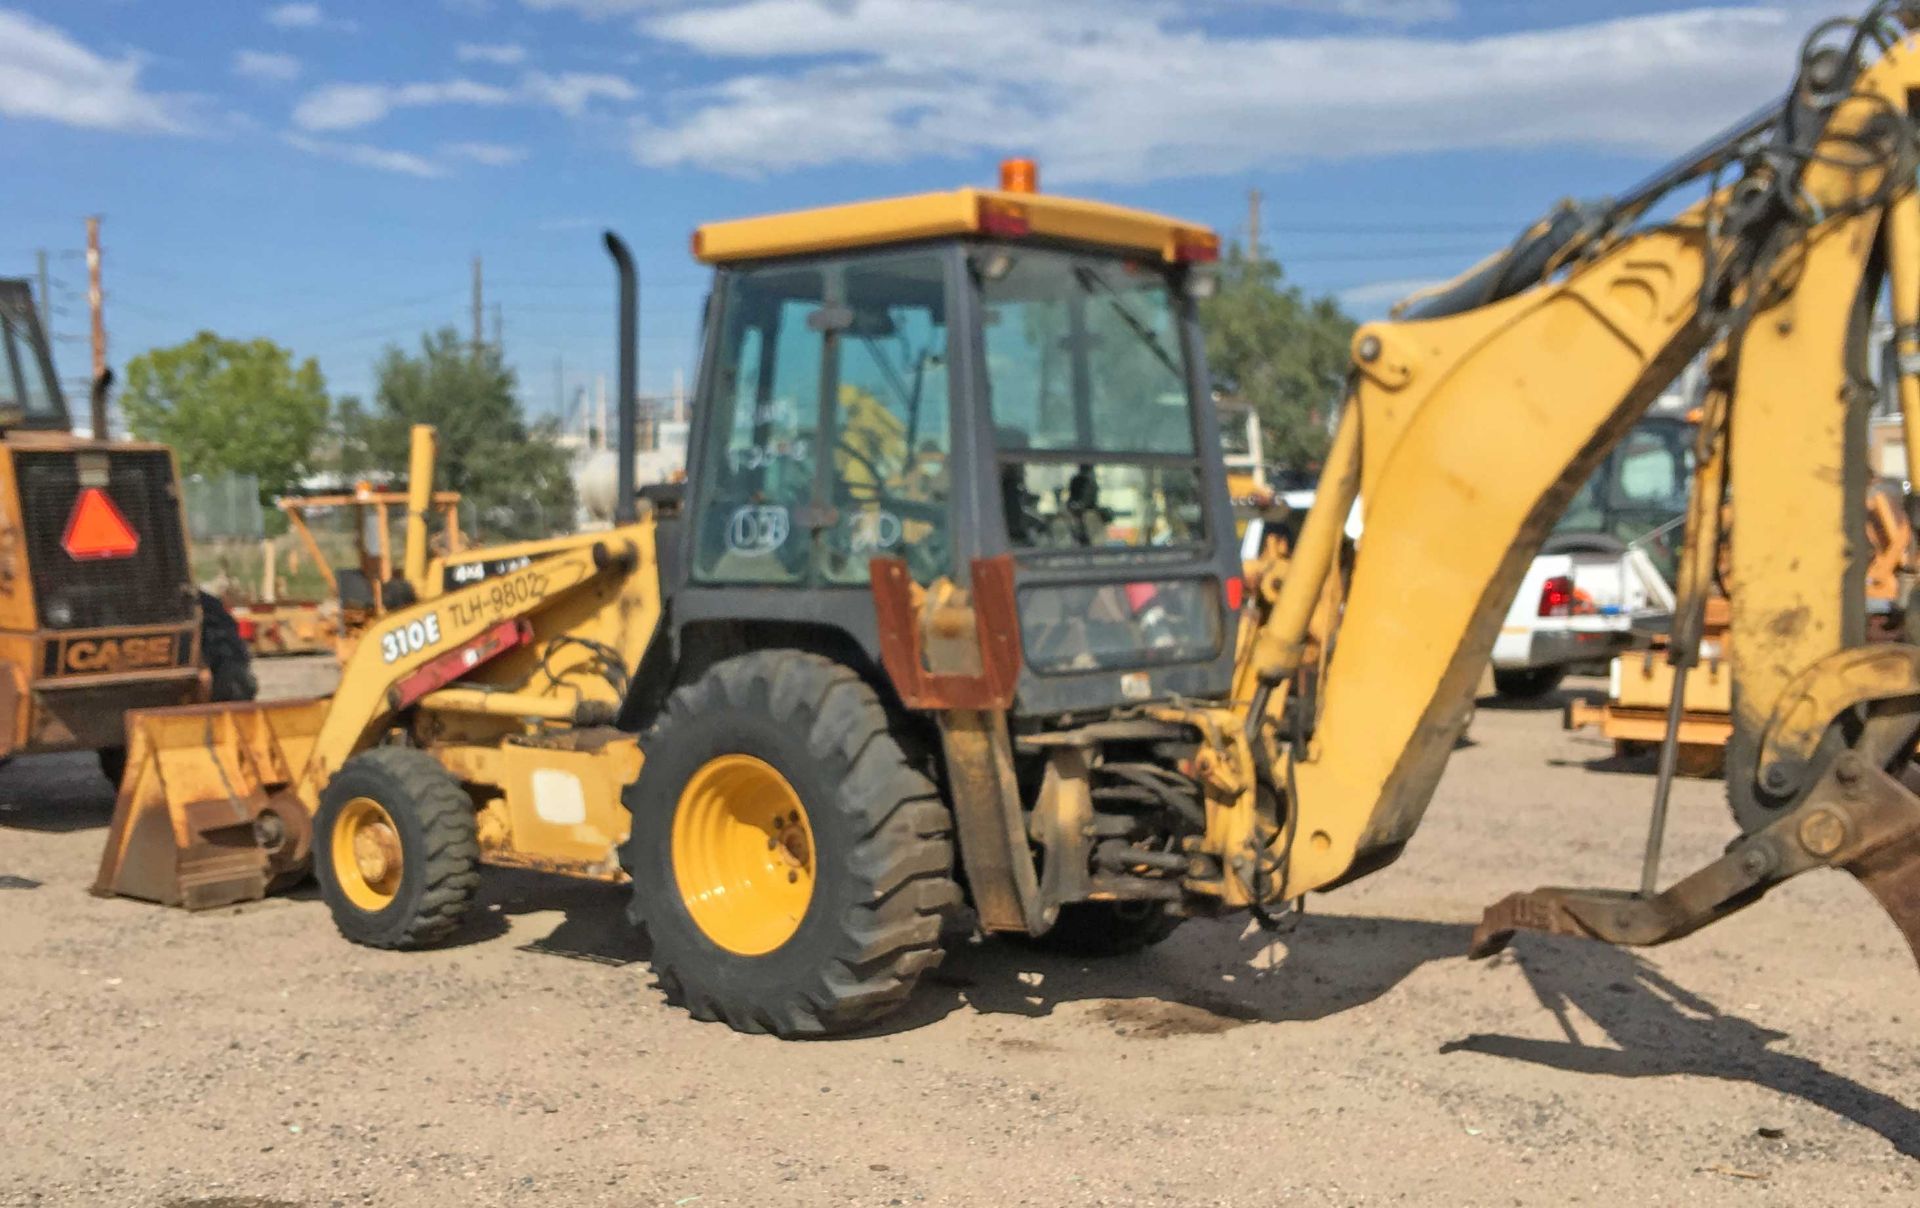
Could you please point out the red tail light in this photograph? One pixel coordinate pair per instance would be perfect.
(1004, 219)
(1560, 598)
(1197, 248)
(248, 630)
(1236, 593)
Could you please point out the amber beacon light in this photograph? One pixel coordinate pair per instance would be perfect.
(1019, 176)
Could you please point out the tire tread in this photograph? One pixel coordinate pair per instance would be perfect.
(904, 850)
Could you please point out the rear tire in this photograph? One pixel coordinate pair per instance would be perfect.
(1100, 929)
(1529, 683)
(877, 850)
(224, 653)
(395, 849)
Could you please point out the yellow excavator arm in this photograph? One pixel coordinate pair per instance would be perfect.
(1474, 414)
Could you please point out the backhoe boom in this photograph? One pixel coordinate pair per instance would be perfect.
(1472, 419)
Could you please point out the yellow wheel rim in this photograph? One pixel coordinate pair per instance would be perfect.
(743, 854)
(367, 860)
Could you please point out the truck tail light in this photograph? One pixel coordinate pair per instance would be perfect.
(1560, 598)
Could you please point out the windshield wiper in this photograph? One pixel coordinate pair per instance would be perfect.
(1089, 278)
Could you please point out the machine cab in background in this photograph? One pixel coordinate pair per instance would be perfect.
(958, 376)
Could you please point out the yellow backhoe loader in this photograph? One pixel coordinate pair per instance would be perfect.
(799, 732)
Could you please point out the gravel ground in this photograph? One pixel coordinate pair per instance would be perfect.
(249, 1057)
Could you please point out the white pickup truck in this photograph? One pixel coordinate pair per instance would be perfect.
(1608, 562)
(1575, 606)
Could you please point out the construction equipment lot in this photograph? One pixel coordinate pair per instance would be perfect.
(244, 1058)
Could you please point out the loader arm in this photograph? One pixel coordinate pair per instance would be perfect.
(1468, 427)
(217, 802)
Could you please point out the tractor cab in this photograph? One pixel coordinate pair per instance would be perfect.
(967, 376)
(29, 390)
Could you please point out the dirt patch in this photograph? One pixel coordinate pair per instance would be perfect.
(1145, 1019)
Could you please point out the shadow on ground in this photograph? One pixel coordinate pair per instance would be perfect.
(1213, 977)
(1658, 1028)
(593, 926)
(54, 793)
(1554, 701)
(1209, 976)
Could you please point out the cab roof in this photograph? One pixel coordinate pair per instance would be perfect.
(992, 213)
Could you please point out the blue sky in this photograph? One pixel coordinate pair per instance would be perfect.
(322, 173)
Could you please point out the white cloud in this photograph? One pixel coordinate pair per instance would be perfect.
(594, 9)
(295, 16)
(263, 65)
(351, 106)
(45, 74)
(1390, 12)
(366, 155)
(505, 54)
(571, 91)
(758, 124)
(1120, 91)
(305, 16)
(492, 155)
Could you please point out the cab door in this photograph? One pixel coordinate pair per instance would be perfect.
(828, 425)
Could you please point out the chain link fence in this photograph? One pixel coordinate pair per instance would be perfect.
(226, 508)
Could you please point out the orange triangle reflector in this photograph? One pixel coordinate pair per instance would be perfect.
(97, 529)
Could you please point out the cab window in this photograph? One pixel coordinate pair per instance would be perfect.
(830, 385)
(766, 396)
(890, 420)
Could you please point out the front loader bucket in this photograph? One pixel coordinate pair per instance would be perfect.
(210, 811)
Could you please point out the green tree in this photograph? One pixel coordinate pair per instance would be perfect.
(1283, 352)
(229, 407)
(517, 480)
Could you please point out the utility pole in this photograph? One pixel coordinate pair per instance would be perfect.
(1254, 198)
(479, 310)
(46, 303)
(95, 303)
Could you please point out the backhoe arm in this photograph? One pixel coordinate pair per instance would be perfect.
(1472, 420)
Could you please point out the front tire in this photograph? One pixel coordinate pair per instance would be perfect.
(395, 849)
(790, 866)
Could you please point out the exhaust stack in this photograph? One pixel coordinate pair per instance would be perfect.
(625, 510)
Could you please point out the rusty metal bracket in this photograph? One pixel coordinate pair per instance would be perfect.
(994, 849)
(1857, 817)
(990, 614)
